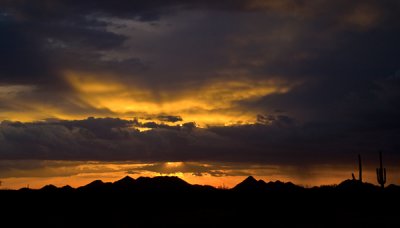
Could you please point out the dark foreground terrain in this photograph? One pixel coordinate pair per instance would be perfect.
(166, 201)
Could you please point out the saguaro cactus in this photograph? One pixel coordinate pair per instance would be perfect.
(381, 172)
(359, 170)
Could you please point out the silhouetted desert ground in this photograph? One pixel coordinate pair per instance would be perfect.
(166, 201)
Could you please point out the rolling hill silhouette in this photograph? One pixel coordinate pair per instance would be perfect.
(356, 186)
(144, 185)
(171, 201)
(175, 184)
(250, 184)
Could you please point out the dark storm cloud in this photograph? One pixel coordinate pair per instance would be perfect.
(156, 125)
(164, 118)
(343, 54)
(278, 143)
(40, 39)
(34, 51)
(141, 9)
(168, 118)
(21, 56)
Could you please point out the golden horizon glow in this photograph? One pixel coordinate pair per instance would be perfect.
(174, 164)
(227, 175)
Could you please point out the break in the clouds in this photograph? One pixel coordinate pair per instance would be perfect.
(277, 82)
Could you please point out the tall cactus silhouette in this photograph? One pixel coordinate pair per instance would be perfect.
(359, 170)
(381, 172)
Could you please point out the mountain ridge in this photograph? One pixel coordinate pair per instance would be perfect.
(176, 184)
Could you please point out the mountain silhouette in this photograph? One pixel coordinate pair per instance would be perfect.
(142, 184)
(356, 186)
(126, 181)
(166, 183)
(96, 185)
(175, 184)
(125, 184)
(166, 200)
(250, 184)
(67, 188)
(393, 188)
(279, 186)
(49, 188)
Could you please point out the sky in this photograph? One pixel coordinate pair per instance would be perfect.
(210, 91)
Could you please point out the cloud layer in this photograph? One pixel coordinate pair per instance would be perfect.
(281, 141)
(162, 55)
(275, 82)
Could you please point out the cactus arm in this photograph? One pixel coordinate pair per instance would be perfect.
(381, 172)
(384, 176)
(359, 168)
(377, 175)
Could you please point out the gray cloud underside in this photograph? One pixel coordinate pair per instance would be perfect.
(307, 41)
(281, 142)
(345, 54)
(40, 168)
(205, 38)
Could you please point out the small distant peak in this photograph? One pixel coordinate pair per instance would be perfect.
(356, 185)
(95, 185)
(49, 187)
(67, 187)
(250, 179)
(125, 180)
(261, 182)
(392, 187)
(249, 183)
(166, 178)
(169, 179)
(143, 179)
(96, 182)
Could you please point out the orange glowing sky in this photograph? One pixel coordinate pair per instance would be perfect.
(277, 89)
(210, 103)
(227, 175)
